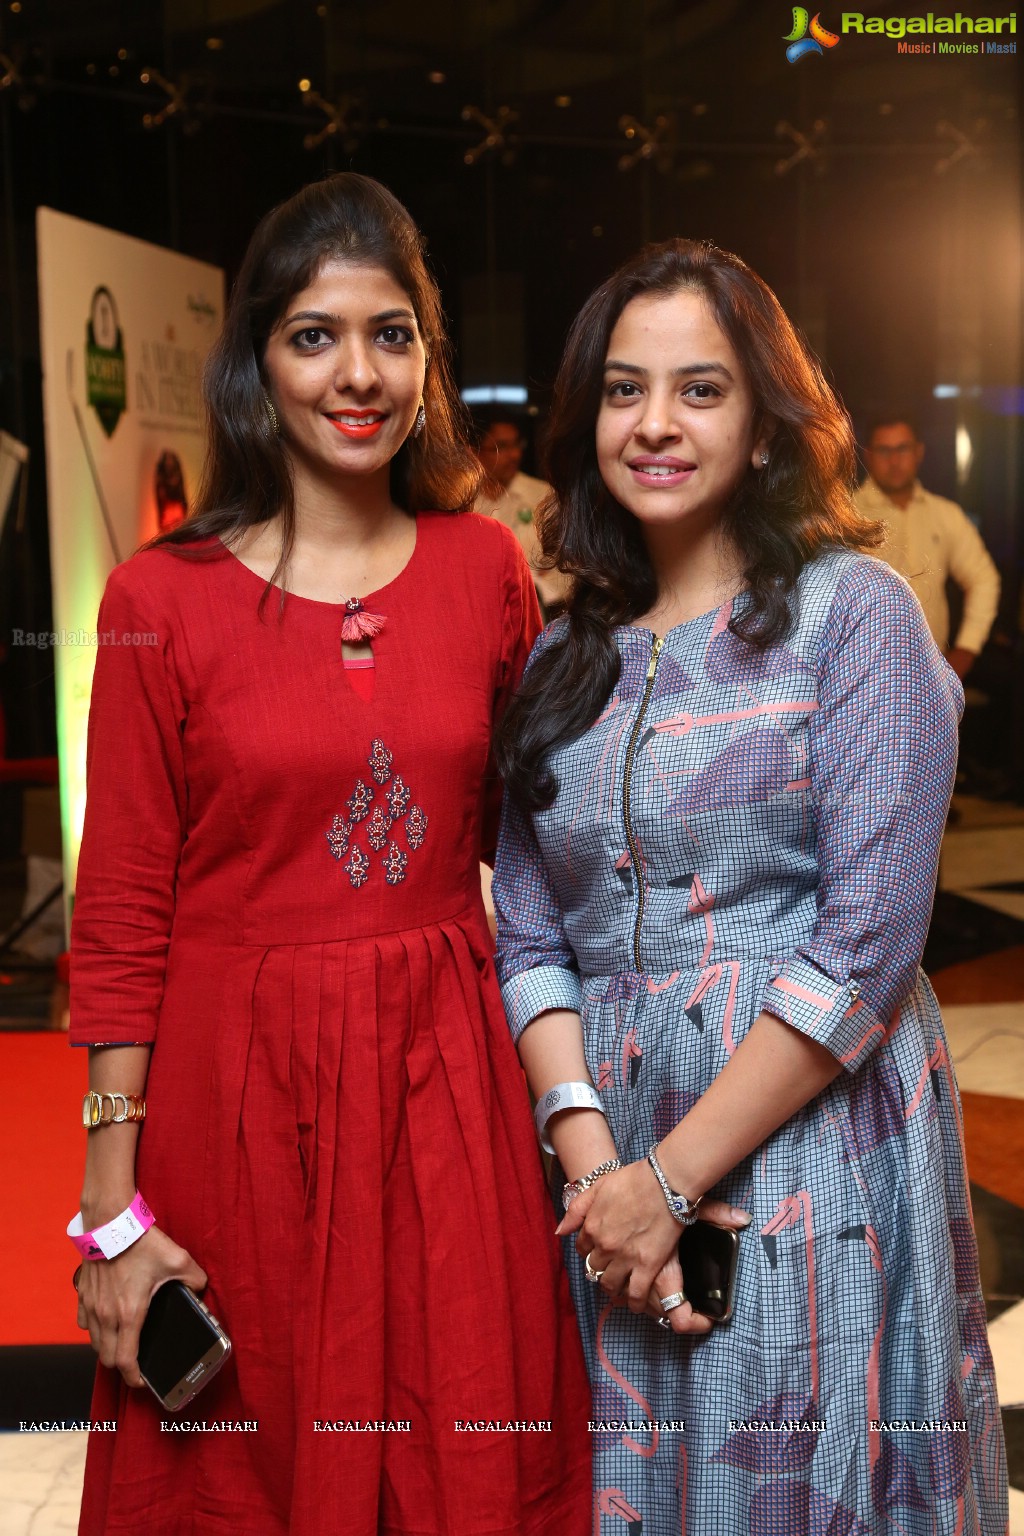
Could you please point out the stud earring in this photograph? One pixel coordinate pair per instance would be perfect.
(764, 458)
(275, 425)
(421, 420)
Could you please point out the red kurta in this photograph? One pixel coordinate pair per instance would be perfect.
(279, 885)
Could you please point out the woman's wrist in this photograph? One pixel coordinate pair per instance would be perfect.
(682, 1177)
(581, 1140)
(100, 1204)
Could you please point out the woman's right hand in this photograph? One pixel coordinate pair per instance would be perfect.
(114, 1296)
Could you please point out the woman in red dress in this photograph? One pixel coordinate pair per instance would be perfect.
(279, 940)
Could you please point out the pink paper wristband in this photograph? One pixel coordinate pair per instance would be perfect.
(108, 1241)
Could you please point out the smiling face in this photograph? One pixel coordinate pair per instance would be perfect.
(344, 367)
(676, 427)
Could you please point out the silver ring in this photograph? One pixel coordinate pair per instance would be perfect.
(669, 1302)
(663, 1322)
(593, 1275)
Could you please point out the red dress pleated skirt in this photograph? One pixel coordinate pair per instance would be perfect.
(338, 1128)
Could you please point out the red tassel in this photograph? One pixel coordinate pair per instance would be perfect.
(358, 625)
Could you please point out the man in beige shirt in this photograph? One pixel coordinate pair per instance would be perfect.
(928, 540)
(514, 497)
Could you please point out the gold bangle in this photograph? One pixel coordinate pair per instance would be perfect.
(112, 1109)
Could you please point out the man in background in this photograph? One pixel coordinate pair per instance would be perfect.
(929, 540)
(514, 497)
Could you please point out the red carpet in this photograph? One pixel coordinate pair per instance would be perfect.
(42, 1146)
(994, 978)
(994, 1143)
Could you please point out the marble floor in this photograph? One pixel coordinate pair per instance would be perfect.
(976, 960)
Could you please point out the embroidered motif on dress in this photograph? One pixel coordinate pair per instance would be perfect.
(398, 797)
(358, 867)
(394, 864)
(380, 760)
(338, 836)
(361, 804)
(415, 827)
(378, 829)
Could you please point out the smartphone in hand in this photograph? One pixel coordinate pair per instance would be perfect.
(708, 1255)
(181, 1347)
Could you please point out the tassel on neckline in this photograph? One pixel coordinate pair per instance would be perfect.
(358, 624)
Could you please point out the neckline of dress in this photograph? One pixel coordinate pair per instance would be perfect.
(698, 618)
(316, 602)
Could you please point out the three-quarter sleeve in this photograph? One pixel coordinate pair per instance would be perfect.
(134, 822)
(536, 964)
(882, 758)
(520, 626)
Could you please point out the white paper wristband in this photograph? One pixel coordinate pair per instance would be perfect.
(564, 1096)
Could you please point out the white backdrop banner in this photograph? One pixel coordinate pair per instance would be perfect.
(125, 329)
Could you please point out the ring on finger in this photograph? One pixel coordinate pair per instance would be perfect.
(675, 1300)
(593, 1275)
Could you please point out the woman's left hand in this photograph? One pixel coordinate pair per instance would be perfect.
(624, 1226)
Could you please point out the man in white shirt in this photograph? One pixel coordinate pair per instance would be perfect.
(500, 451)
(928, 540)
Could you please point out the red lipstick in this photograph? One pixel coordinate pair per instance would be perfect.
(358, 426)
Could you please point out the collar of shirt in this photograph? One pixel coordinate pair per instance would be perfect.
(874, 493)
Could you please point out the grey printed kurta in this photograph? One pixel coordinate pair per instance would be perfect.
(776, 849)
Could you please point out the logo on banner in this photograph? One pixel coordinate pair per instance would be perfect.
(200, 308)
(105, 379)
(808, 35)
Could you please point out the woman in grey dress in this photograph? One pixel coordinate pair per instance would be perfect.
(728, 771)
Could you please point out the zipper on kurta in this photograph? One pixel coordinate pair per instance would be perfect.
(627, 783)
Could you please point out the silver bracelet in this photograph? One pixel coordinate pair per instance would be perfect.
(564, 1096)
(577, 1186)
(684, 1211)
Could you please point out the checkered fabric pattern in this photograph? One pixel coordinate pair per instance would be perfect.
(787, 809)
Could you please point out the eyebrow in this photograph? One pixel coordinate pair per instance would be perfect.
(323, 318)
(684, 371)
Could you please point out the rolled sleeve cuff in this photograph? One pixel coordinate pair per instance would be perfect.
(536, 991)
(830, 1012)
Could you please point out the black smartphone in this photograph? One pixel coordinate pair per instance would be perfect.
(708, 1255)
(181, 1347)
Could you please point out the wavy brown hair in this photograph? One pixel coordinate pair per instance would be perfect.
(246, 477)
(778, 517)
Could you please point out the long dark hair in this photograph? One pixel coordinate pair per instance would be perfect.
(246, 477)
(778, 517)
